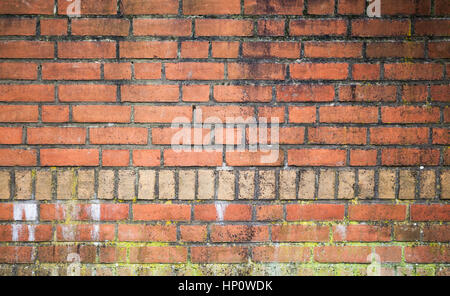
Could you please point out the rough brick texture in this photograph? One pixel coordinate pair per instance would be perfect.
(92, 107)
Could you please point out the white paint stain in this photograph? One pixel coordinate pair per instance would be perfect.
(25, 212)
(16, 228)
(31, 233)
(342, 230)
(95, 212)
(68, 232)
(95, 232)
(221, 207)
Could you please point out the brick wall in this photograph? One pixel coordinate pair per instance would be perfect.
(88, 95)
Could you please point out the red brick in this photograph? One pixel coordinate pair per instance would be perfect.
(232, 212)
(54, 27)
(87, 93)
(389, 253)
(169, 136)
(316, 71)
(315, 212)
(377, 212)
(327, 49)
(409, 157)
(161, 212)
(436, 233)
(117, 71)
(414, 93)
(21, 49)
(238, 114)
(162, 27)
(355, 7)
(287, 50)
(84, 233)
(167, 254)
(321, 7)
(442, 7)
(337, 135)
(372, 28)
(18, 71)
(395, 49)
(118, 135)
(318, 27)
(209, 7)
(112, 254)
(441, 136)
(366, 71)
(272, 112)
(115, 157)
(316, 157)
(223, 27)
(18, 113)
(16, 254)
(148, 49)
(6, 211)
(432, 27)
(194, 71)
(430, 212)
(150, 93)
(194, 49)
(196, 93)
(440, 93)
(42, 233)
(406, 7)
(100, 27)
(225, 49)
(193, 233)
(27, 93)
(147, 70)
(398, 135)
(294, 7)
(86, 49)
(303, 114)
(11, 135)
(361, 233)
(150, 6)
(257, 71)
(113, 212)
(269, 213)
(146, 157)
(300, 233)
(245, 93)
(342, 254)
(153, 233)
(91, 7)
(439, 49)
(69, 157)
(101, 113)
(29, 7)
(17, 26)
(406, 233)
(219, 254)
(271, 27)
(192, 158)
(162, 114)
(413, 71)
(56, 135)
(410, 114)
(58, 254)
(348, 114)
(17, 157)
(368, 93)
(71, 71)
(427, 254)
(286, 254)
(239, 233)
(363, 157)
(258, 158)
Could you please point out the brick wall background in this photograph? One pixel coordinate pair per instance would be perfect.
(87, 167)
